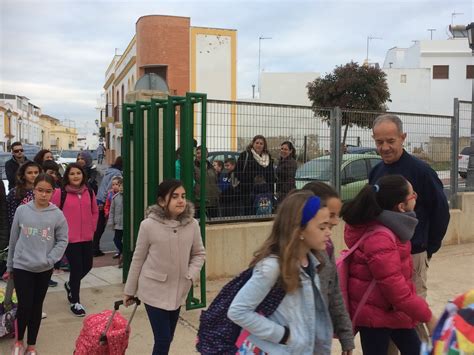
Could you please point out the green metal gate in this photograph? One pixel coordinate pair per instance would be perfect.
(148, 152)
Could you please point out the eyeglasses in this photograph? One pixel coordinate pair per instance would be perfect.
(18, 151)
(43, 191)
(413, 196)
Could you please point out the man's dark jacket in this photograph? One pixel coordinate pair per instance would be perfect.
(432, 209)
(11, 168)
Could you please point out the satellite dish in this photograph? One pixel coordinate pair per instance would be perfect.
(152, 81)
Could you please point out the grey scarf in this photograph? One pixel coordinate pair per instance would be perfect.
(403, 224)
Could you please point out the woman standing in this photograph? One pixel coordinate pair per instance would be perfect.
(255, 172)
(38, 240)
(168, 257)
(4, 230)
(42, 156)
(286, 170)
(77, 201)
(22, 193)
(381, 219)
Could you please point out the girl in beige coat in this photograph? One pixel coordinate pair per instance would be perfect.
(168, 257)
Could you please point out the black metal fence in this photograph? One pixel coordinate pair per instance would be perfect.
(332, 145)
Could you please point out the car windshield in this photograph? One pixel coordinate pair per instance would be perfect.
(315, 170)
(69, 153)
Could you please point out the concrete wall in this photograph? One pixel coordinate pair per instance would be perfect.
(230, 246)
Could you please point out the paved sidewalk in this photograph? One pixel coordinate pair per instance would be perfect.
(450, 273)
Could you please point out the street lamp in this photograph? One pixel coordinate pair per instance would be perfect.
(259, 51)
(19, 126)
(9, 116)
(470, 166)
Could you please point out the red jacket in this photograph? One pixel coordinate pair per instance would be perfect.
(393, 303)
(81, 217)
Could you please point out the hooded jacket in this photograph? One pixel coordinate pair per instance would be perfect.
(106, 184)
(38, 238)
(116, 212)
(385, 255)
(81, 216)
(168, 257)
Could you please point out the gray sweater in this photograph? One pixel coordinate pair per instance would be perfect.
(38, 238)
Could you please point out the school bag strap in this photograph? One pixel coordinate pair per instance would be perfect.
(64, 195)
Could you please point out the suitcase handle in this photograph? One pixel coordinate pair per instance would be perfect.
(117, 304)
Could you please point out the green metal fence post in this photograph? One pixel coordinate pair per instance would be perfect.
(127, 112)
(153, 151)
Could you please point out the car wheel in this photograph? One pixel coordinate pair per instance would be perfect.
(463, 175)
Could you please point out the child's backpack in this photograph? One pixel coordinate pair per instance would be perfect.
(217, 334)
(342, 266)
(8, 306)
(454, 333)
(263, 204)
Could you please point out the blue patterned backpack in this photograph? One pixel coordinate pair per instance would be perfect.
(217, 334)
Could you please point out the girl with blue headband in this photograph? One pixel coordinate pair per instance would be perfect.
(301, 324)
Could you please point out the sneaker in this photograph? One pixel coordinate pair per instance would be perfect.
(68, 291)
(116, 256)
(98, 253)
(78, 310)
(31, 352)
(52, 283)
(18, 348)
(43, 315)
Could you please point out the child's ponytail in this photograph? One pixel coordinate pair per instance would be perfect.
(385, 194)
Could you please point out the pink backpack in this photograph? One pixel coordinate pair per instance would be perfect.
(342, 267)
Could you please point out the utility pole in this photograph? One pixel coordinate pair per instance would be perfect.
(259, 54)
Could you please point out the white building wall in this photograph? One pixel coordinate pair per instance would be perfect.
(286, 88)
(214, 66)
(422, 93)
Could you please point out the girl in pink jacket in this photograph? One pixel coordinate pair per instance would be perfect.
(380, 273)
(79, 206)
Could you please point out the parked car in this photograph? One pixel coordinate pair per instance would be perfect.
(222, 155)
(68, 156)
(464, 161)
(31, 150)
(355, 170)
(362, 150)
(4, 157)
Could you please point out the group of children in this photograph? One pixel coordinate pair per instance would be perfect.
(298, 256)
(50, 217)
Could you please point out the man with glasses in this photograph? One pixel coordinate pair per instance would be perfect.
(432, 209)
(12, 165)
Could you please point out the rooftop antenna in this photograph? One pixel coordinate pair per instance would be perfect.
(431, 32)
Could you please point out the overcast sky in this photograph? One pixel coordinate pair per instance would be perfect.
(56, 52)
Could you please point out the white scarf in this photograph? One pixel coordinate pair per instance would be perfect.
(263, 160)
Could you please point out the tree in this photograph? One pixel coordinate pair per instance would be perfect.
(350, 86)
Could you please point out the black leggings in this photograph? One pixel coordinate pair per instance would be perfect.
(375, 341)
(100, 228)
(79, 256)
(31, 290)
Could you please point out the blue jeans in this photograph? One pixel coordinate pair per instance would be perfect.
(118, 240)
(163, 323)
(375, 341)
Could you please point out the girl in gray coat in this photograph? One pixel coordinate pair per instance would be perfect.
(301, 324)
(38, 239)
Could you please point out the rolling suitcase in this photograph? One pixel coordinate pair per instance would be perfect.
(105, 333)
